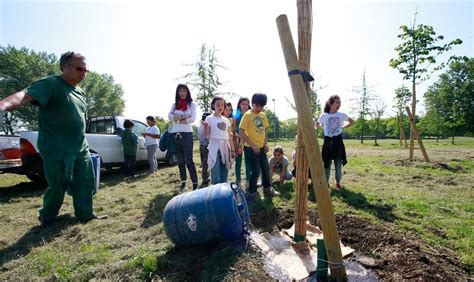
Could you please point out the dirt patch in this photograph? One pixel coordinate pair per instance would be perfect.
(421, 164)
(394, 256)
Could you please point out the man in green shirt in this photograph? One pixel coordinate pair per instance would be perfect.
(61, 138)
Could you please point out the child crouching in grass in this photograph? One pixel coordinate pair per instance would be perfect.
(279, 165)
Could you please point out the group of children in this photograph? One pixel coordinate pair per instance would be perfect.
(226, 138)
(130, 144)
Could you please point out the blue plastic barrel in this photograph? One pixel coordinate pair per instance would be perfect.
(95, 158)
(214, 213)
(96, 168)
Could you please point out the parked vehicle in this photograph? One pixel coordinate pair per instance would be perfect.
(103, 135)
(9, 147)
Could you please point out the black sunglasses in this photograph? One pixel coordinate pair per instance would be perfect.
(81, 69)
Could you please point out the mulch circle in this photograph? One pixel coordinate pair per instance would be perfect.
(389, 254)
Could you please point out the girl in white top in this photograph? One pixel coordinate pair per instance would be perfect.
(183, 114)
(221, 146)
(333, 122)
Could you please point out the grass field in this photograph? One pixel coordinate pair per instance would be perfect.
(431, 203)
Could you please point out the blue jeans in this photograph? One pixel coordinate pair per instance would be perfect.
(337, 168)
(258, 164)
(219, 171)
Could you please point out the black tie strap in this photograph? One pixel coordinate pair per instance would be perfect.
(306, 75)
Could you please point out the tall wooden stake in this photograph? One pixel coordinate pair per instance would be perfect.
(306, 123)
(418, 137)
(305, 23)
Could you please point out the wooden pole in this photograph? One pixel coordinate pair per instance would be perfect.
(305, 122)
(305, 23)
(418, 137)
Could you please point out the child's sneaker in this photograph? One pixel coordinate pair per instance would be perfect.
(195, 186)
(270, 192)
(183, 187)
(338, 186)
(251, 196)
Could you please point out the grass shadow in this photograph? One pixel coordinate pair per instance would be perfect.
(22, 190)
(35, 237)
(357, 200)
(154, 212)
(209, 262)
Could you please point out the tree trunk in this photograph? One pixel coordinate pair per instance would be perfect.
(402, 131)
(452, 140)
(413, 110)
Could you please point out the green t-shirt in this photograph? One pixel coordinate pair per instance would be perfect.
(129, 142)
(62, 115)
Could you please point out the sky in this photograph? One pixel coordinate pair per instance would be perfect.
(146, 45)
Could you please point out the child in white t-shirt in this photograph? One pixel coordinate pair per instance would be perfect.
(221, 147)
(333, 148)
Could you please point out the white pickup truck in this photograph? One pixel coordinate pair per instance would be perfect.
(103, 135)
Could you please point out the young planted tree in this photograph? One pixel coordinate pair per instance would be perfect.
(416, 53)
(400, 101)
(362, 106)
(205, 78)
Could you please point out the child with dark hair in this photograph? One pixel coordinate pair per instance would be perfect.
(254, 129)
(279, 165)
(242, 107)
(228, 114)
(333, 147)
(129, 143)
(221, 148)
(152, 134)
(203, 151)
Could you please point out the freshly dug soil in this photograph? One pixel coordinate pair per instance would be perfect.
(391, 256)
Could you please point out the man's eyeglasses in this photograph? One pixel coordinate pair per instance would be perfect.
(81, 69)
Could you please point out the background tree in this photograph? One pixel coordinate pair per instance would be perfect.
(362, 107)
(377, 113)
(272, 120)
(415, 54)
(313, 99)
(288, 129)
(400, 101)
(451, 99)
(162, 123)
(19, 68)
(205, 78)
(103, 95)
